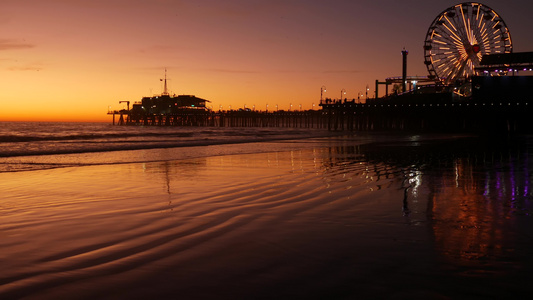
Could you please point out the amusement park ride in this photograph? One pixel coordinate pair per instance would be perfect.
(459, 37)
(463, 42)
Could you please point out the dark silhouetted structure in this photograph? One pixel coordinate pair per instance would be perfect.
(494, 64)
(404, 70)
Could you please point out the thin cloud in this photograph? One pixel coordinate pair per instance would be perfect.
(11, 44)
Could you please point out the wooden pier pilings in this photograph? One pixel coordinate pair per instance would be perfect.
(464, 116)
(294, 119)
(351, 116)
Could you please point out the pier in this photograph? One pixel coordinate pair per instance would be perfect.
(347, 115)
(441, 116)
(233, 118)
(497, 101)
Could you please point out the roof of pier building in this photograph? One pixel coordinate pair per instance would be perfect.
(179, 100)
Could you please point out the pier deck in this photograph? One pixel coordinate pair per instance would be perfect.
(351, 116)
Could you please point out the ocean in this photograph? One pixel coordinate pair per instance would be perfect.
(33, 145)
(95, 211)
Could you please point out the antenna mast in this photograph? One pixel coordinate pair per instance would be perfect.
(165, 90)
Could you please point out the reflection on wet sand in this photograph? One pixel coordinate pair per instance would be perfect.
(471, 195)
(471, 192)
(415, 217)
(476, 206)
(478, 194)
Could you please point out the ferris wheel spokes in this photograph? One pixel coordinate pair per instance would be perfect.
(459, 37)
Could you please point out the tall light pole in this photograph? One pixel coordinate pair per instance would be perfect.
(322, 90)
(343, 92)
(367, 89)
(404, 70)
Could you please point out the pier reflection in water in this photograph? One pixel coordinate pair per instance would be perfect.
(343, 217)
(472, 197)
(475, 195)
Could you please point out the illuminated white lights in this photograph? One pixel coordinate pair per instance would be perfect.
(459, 38)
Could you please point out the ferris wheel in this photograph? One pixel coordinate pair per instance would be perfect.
(459, 37)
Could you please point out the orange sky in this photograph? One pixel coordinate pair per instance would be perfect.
(66, 60)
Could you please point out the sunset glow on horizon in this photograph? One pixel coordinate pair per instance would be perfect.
(73, 60)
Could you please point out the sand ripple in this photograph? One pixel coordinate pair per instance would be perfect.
(164, 217)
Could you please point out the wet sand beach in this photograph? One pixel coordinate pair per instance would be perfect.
(414, 218)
